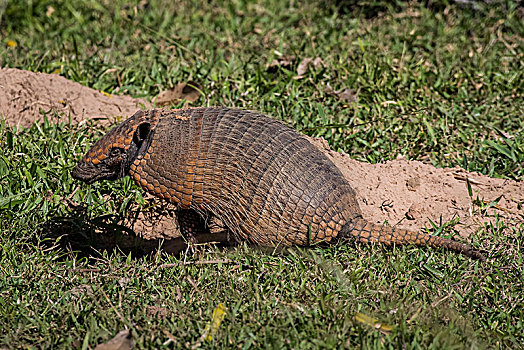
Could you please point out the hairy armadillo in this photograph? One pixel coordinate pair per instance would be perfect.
(262, 179)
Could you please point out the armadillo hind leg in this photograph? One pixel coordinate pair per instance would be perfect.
(366, 232)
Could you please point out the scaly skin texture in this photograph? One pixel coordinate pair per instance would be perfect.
(264, 181)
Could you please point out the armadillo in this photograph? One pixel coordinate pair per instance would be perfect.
(264, 181)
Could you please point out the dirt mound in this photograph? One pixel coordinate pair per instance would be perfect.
(408, 194)
(23, 95)
(402, 193)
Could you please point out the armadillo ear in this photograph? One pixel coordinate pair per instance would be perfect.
(142, 132)
(142, 138)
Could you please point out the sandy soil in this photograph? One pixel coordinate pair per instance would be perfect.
(408, 194)
(402, 193)
(23, 95)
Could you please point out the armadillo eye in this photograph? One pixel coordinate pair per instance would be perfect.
(115, 152)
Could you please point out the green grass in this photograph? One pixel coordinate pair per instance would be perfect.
(442, 84)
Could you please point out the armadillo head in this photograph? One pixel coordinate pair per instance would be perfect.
(112, 155)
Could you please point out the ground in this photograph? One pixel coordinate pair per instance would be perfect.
(422, 104)
(407, 194)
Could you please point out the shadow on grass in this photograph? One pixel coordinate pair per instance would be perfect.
(90, 237)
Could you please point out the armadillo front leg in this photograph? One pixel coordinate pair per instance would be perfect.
(191, 224)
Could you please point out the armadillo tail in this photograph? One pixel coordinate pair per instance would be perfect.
(368, 232)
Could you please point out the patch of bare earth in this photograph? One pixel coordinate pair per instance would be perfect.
(403, 193)
(408, 194)
(24, 95)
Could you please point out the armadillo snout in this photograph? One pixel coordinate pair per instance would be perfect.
(86, 172)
